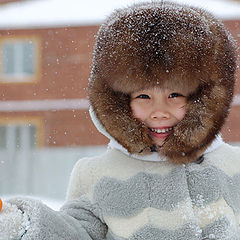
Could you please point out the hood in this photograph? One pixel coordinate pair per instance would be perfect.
(166, 45)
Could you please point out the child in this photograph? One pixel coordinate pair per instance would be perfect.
(160, 88)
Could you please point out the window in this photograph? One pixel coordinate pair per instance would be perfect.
(21, 133)
(17, 137)
(19, 60)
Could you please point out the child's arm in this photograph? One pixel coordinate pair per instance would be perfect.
(31, 219)
(78, 219)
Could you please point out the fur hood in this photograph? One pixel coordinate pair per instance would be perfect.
(167, 45)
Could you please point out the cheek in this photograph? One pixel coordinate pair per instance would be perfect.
(138, 111)
(180, 113)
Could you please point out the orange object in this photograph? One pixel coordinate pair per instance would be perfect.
(1, 203)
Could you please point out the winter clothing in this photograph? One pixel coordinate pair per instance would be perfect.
(167, 45)
(13, 222)
(118, 197)
(43, 223)
(135, 191)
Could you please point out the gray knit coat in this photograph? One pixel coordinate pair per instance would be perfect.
(118, 197)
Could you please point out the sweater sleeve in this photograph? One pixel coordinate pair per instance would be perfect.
(74, 221)
(78, 219)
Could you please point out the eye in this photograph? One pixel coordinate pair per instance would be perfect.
(175, 95)
(143, 96)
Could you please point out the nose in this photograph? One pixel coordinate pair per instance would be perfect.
(160, 111)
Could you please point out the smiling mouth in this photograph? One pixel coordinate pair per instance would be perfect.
(163, 130)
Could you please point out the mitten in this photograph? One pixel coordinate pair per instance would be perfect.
(13, 222)
(45, 223)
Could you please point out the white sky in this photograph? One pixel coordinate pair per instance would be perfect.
(42, 13)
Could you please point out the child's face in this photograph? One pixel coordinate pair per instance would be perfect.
(159, 109)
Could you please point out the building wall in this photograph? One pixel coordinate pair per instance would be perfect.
(63, 72)
(64, 63)
(64, 60)
(231, 130)
(9, 1)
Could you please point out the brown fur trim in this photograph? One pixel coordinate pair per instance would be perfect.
(113, 111)
(171, 46)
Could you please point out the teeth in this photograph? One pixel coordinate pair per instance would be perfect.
(161, 130)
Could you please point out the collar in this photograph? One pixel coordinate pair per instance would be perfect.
(154, 157)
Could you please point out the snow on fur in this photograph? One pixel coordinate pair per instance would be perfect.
(13, 222)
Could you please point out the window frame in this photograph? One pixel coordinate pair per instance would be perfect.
(35, 121)
(14, 78)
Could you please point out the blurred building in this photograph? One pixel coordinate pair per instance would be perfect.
(43, 81)
(231, 130)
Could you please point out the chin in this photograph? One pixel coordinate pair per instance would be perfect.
(158, 143)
